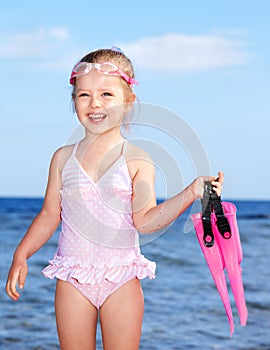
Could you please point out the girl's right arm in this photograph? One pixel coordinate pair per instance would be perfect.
(39, 232)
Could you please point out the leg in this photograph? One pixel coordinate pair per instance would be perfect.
(76, 318)
(121, 317)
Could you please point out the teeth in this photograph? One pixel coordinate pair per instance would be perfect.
(96, 116)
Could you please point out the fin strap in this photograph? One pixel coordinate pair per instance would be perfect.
(208, 236)
(222, 221)
(211, 202)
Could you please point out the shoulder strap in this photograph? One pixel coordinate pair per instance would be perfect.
(75, 148)
(124, 147)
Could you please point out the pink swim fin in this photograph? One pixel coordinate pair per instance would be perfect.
(232, 255)
(217, 232)
(216, 266)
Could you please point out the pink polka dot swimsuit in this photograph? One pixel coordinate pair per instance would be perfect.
(98, 249)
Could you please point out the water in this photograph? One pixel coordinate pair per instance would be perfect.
(182, 307)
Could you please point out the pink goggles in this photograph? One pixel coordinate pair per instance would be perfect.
(108, 68)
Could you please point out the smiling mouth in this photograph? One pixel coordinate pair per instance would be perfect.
(96, 117)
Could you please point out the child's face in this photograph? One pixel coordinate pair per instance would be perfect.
(99, 102)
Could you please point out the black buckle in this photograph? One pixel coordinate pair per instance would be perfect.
(208, 236)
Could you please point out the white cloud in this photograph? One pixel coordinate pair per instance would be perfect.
(32, 44)
(183, 53)
(174, 52)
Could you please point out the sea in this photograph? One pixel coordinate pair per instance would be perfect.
(183, 309)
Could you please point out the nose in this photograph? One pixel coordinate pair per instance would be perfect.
(95, 102)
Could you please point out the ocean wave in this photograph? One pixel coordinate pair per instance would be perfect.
(253, 216)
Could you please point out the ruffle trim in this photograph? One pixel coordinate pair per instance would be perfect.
(86, 271)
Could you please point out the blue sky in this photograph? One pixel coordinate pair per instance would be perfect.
(204, 62)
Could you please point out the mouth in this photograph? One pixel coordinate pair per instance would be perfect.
(97, 117)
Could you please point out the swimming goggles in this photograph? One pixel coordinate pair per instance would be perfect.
(108, 68)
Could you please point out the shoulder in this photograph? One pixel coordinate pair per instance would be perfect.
(61, 156)
(133, 151)
(138, 160)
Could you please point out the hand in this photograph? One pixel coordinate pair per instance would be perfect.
(17, 275)
(217, 184)
(198, 184)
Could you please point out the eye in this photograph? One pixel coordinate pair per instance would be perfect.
(107, 94)
(83, 94)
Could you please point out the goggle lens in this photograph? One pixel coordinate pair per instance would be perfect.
(109, 68)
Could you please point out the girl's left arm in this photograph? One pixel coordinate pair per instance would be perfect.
(149, 217)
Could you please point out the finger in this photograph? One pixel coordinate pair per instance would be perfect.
(22, 277)
(11, 291)
(13, 280)
(217, 187)
(219, 180)
(209, 179)
(216, 184)
(217, 190)
(221, 177)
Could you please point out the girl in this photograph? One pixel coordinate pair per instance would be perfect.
(102, 189)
